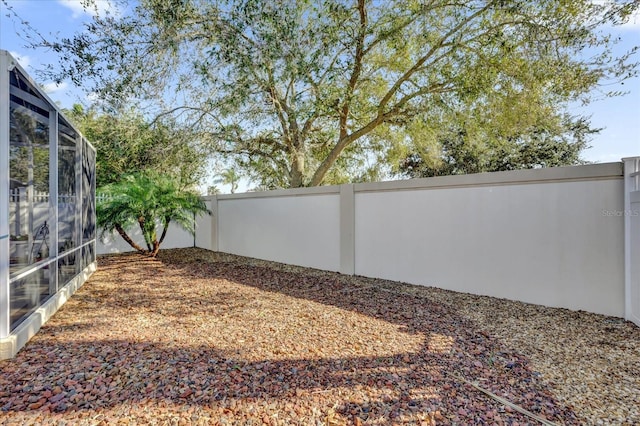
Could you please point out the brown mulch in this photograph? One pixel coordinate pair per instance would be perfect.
(199, 337)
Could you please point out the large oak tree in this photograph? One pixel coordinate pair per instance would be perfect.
(303, 93)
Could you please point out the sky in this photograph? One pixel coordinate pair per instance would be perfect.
(619, 117)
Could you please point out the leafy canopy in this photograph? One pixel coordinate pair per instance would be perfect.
(146, 200)
(458, 153)
(301, 92)
(127, 143)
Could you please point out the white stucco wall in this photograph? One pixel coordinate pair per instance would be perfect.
(113, 243)
(204, 224)
(554, 237)
(176, 238)
(300, 230)
(633, 291)
(546, 243)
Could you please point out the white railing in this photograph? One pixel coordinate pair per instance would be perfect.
(19, 195)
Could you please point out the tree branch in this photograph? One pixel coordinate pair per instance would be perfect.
(381, 116)
(392, 91)
(357, 69)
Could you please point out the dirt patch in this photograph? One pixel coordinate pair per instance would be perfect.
(198, 337)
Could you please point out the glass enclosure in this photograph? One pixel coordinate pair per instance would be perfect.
(47, 180)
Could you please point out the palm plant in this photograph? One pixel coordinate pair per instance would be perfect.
(229, 177)
(146, 199)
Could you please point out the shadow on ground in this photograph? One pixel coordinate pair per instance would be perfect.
(79, 368)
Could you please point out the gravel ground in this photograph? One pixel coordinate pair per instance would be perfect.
(198, 337)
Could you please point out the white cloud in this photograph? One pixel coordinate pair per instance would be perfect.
(53, 87)
(75, 6)
(95, 7)
(23, 60)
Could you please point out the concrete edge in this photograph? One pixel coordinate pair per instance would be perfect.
(10, 346)
(314, 190)
(214, 223)
(347, 230)
(552, 174)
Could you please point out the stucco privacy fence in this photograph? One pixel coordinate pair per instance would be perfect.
(564, 237)
(47, 207)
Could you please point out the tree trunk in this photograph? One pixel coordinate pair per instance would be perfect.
(342, 143)
(144, 234)
(156, 248)
(297, 171)
(128, 239)
(164, 231)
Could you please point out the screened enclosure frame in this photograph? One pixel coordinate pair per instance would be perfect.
(47, 205)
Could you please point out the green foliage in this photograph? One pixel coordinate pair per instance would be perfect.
(127, 143)
(229, 177)
(458, 152)
(147, 200)
(29, 151)
(213, 190)
(308, 92)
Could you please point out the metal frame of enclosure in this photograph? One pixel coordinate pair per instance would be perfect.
(47, 202)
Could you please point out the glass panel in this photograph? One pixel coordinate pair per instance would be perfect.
(40, 227)
(28, 293)
(67, 195)
(26, 94)
(29, 186)
(88, 255)
(88, 192)
(68, 267)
